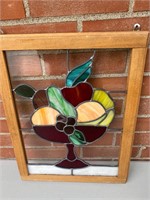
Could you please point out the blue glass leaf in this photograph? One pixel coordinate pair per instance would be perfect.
(80, 73)
(58, 102)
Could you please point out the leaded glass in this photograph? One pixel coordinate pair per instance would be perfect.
(40, 99)
(25, 91)
(75, 115)
(78, 94)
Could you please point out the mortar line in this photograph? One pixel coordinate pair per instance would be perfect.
(86, 17)
(143, 116)
(142, 132)
(145, 97)
(140, 151)
(63, 77)
(42, 64)
(131, 6)
(123, 106)
(5, 134)
(79, 25)
(114, 139)
(26, 7)
(109, 75)
(128, 59)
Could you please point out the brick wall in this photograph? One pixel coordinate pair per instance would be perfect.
(42, 68)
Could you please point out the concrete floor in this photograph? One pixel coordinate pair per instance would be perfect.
(12, 188)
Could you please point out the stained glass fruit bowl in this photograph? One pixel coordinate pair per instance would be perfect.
(50, 133)
(75, 115)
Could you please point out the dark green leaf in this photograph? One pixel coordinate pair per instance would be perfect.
(25, 91)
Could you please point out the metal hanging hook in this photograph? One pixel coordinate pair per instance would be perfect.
(137, 27)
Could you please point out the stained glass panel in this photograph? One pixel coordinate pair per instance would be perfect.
(79, 74)
(44, 116)
(50, 133)
(78, 94)
(89, 111)
(102, 97)
(58, 102)
(40, 99)
(24, 91)
(75, 115)
(108, 119)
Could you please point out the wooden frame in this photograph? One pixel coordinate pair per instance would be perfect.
(136, 41)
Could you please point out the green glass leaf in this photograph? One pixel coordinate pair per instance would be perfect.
(108, 119)
(94, 122)
(77, 138)
(80, 73)
(25, 91)
(103, 98)
(83, 76)
(57, 101)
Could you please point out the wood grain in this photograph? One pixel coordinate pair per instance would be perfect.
(67, 178)
(73, 40)
(135, 78)
(137, 41)
(12, 118)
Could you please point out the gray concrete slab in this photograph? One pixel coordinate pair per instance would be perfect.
(13, 188)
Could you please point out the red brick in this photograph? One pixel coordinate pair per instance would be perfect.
(7, 153)
(2, 113)
(143, 124)
(11, 9)
(98, 152)
(118, 106)
(117, 94)
(147, 65)
(142, 139)
(60, 27)
(41, 153)
(106, 139)
(141, 5)
(126, 24)
(25, 123)
(146, 153)
(25, 108)
(59, 8)
(5, 140)
(135, 151)
(110, 84)
(24, 65)
(3, 126)
(116, 123)
(55, 64)
(118, 139)
(104, 61)
(144, 107)
(34, 140)
(146, 86)
(57, 144)
(40, 84)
